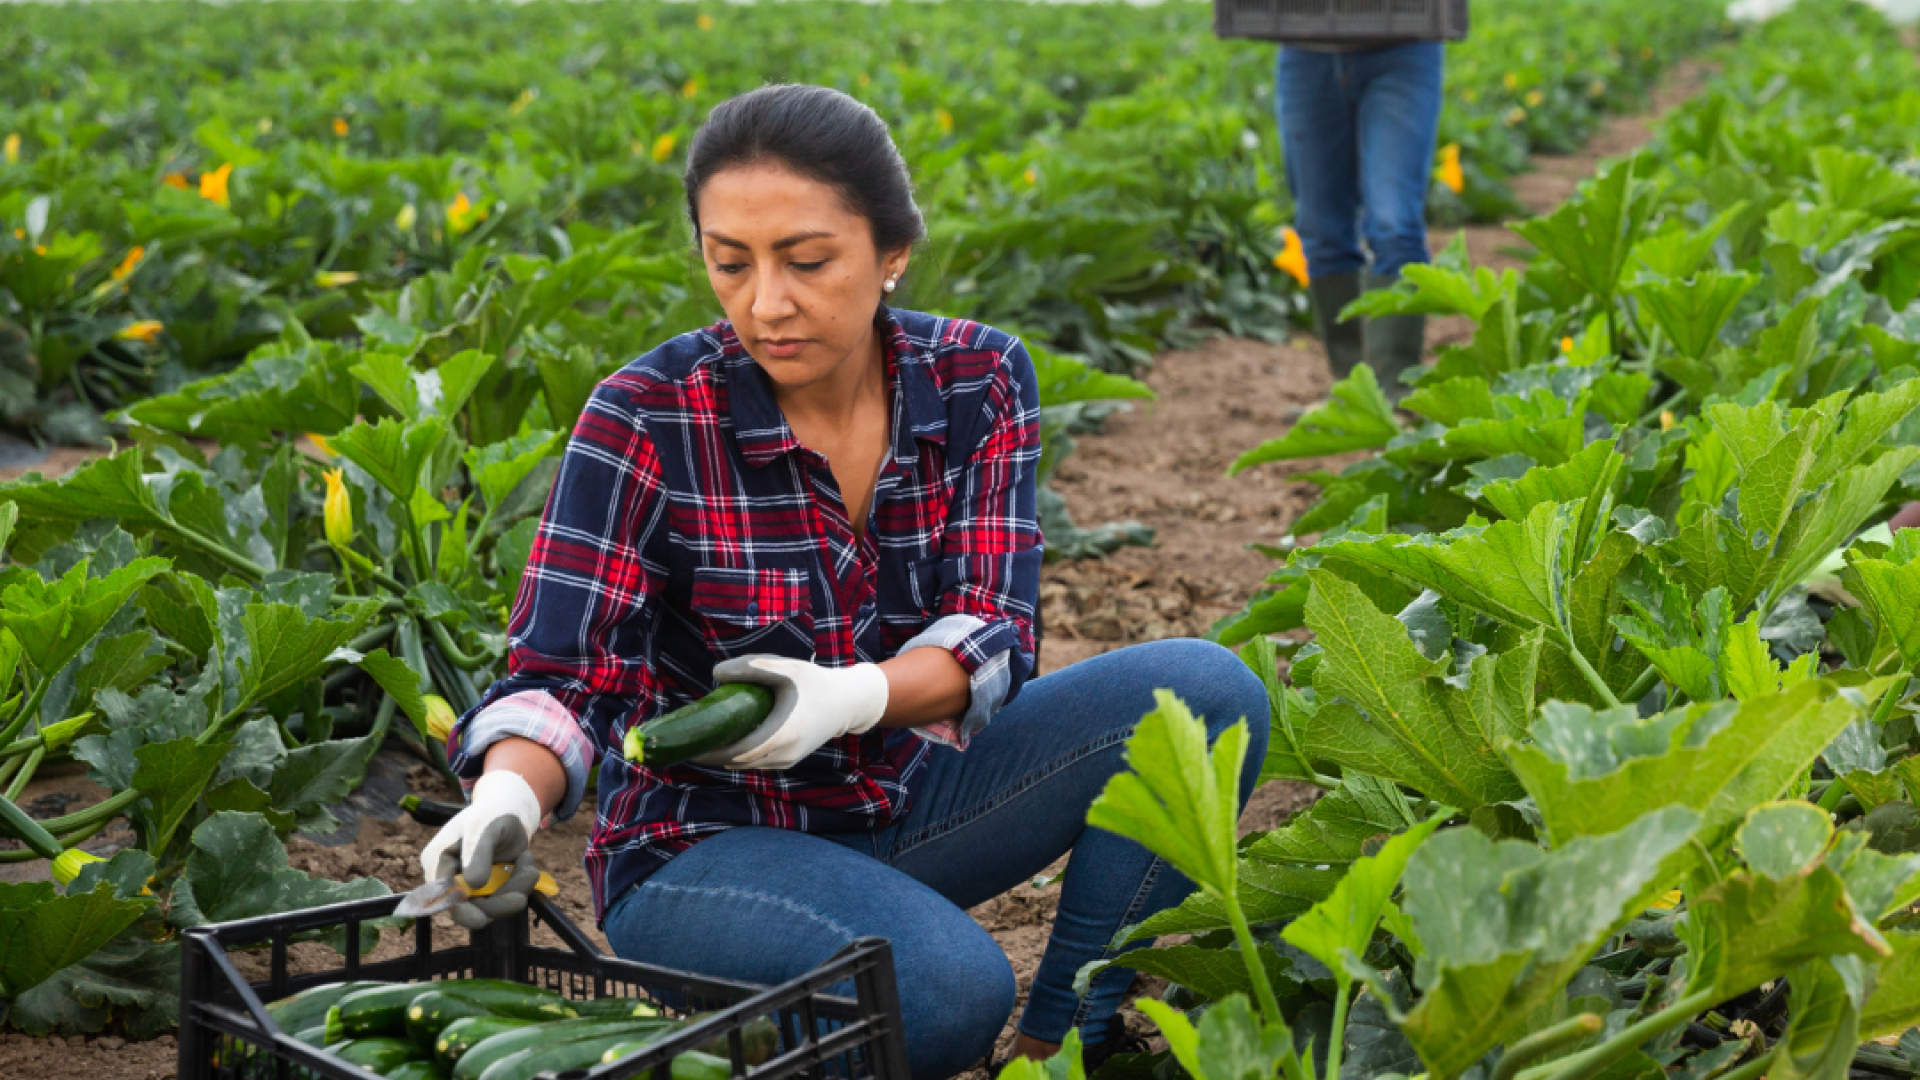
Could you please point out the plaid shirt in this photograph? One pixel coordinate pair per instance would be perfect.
(687, 525)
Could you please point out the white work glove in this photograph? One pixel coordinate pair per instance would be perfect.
(811, 705)
(501, 816)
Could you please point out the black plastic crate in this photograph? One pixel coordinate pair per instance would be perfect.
(1337, 21)
(225, 1033)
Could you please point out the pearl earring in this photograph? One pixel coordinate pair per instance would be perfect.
(890, 284)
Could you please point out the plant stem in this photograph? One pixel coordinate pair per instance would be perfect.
(444, 642)
(1250, 955)
(1830, 798)
(208, 546)
(95, 814)
(26, 713)
(1337, 1034)
(19, 784)
(1546, 1041)
(1706, 857)
(1643, 685)
(1589, 1063)
(1884, 708)
(1593, 677)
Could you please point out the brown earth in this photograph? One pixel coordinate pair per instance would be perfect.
(1163, 464)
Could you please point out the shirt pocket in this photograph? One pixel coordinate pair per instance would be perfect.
(765, 610)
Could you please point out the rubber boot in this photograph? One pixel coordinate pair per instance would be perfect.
(1345, 343)
(1394, 343)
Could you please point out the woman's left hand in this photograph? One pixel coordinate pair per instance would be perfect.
(811, 705)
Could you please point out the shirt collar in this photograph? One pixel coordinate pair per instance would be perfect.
(763, 433)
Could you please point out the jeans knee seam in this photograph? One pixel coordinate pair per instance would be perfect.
(765, 898)
(908, 843)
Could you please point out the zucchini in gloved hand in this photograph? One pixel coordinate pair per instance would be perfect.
(722, 718)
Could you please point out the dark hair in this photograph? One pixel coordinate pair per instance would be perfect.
(821, 134)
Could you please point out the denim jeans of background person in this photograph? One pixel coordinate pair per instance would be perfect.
(765, 904)
(1357, 127)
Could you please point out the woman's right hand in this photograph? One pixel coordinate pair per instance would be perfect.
(498, 823)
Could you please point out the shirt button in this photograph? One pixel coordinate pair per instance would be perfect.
(753, 607)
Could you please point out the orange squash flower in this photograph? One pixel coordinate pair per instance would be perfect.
(1292, 258)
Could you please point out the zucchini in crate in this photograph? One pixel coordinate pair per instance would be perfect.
(722, 718)
(463, 1035)
(418, 1070)
(692, 1065)
(308, 1008)
(381, 1054)
(583, 1052)
(489, 1052)
(377, 1010)
(501, 997)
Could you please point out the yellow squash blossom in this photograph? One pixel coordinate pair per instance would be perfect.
(663, 147)
(1534, 98)
(1566, 344)
(333, 279)
(1292, 257)
(66, 865)
(175, 180)
(1448, 171)
(340, 127)
(1666, 420)
(405, 218)
(1515, 115)
(1031, 177)
(520, 103)
(704, 22)
(864, 79)
(213, 185)
(1667, 902)
(338, 510)
(463, 215)
(946, 121)
(321, 442)
(143, 331)
(134, 255)
(13, 149)
(440, 717)
(1511, 80)
(691, 88)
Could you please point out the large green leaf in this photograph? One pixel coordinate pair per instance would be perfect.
(1389, 711)
(1788, 909)
(1692, 312)
(42, 931)
(238, 870)
(1338, 929)
(392, 451)
(1889, 589)
(1231, 1042)
(1895, 1003)
(1824, 1020)
(1288, 870)
(54, 620)
(290, 387)
(1064, 380)
(1180, 800)
(1357, 416)
(312, 777)
(1506, 925)
(1589, 772)
(286, 646)
(1592, 234)
(1211, 973)
(171, 777)
(131, 981)
(415, 393)
(498, 468)
(1437, 290)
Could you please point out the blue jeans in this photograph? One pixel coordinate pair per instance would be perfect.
(765, 904)
(1358, 133)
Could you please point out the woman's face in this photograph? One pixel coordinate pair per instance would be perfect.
(795, 269)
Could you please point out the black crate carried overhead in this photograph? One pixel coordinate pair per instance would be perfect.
(226, 1034)
(1335, 22)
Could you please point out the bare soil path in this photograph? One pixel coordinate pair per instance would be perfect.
(1163, 464)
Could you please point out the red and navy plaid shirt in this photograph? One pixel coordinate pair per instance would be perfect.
(688, 525)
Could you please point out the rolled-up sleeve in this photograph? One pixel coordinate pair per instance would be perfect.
(989, 574)
(580, 638)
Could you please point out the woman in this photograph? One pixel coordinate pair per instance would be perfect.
(833, 499)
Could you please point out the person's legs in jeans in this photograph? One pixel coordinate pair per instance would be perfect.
(767, 905)
(989, 818)
(1316, 104)
(1399, 121)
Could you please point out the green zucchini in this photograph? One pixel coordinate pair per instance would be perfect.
(431, 1012)
(428, 812)
(579, 1053)
(759, 1040)
(463, 1035)
(315, 1036)
(418, 1070)
(488, 1052)
(381, 1054)
(722, 718)
(309, 1007)
(377, 1010)
(691, 1065)
(14, 822)
(503, 998)
(618, 1009)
